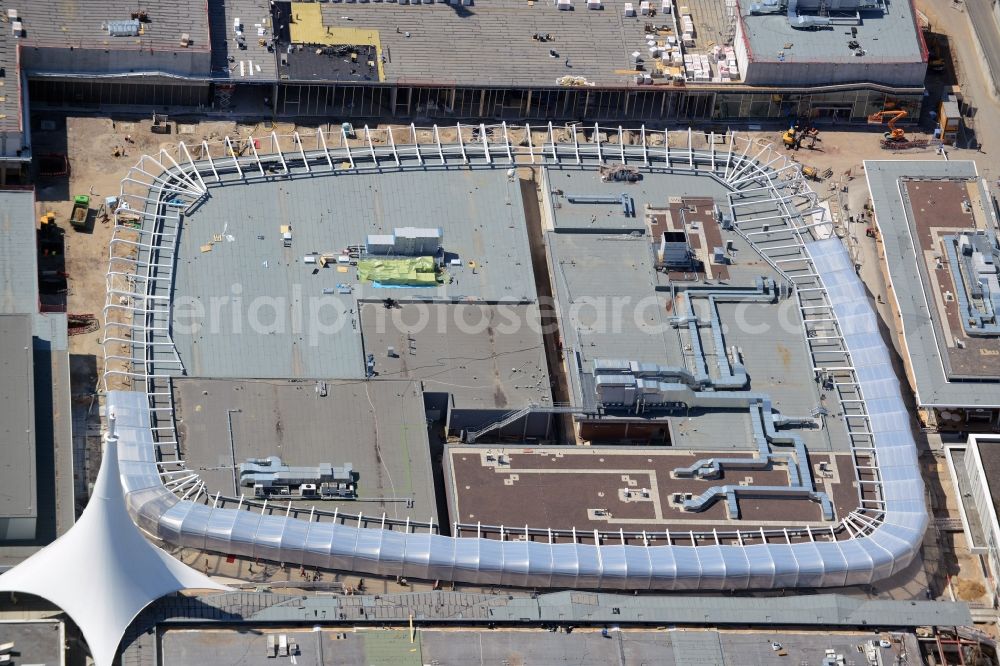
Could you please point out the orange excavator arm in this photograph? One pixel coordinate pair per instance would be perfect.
(893, 116)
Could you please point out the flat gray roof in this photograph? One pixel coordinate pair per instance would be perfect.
(593, 273)
(614, 305)
(778, 365)
(18, 252)
(62, 23)
(921, 326)
(480, 212)
(490, 42)
(989, 455)
(653, 190)
(382, 647)
(251, 13)
(485, 356)
(378, 427)
(818, 610)
(18, 474)
(10, 86)
(885, 38)
(35, 642)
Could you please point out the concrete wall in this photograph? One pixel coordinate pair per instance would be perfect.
(179, 62)
(535, 425)
(823, 73)
(619, 430)
(740, 46)
(983, 500)
(436, 405)
(979, 489)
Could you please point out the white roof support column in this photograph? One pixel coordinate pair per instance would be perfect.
(741, 161)
(195, 169)
(347, 145)
(302, 151)
(326, 150)
(416, 144)
(506, 142)
(437, 140)
(182, 173)
(256, 156)
(371, 146)
(731, 137)
(392, 144)
(486, 143)
(232, 153)
(277, 148)
(461, 142)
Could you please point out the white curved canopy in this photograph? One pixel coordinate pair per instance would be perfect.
(103, 571)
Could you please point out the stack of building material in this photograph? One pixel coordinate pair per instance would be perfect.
(705, 67)
(687, 27)
(730, 60)
(697, 67)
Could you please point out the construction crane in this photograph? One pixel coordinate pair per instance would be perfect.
(894, 116)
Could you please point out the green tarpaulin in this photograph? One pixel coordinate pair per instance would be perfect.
(413, 271)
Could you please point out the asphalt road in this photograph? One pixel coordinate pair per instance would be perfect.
(985, 24)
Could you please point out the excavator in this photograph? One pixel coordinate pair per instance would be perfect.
(895, 138)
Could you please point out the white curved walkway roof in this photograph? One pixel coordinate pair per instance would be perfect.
(103, 572)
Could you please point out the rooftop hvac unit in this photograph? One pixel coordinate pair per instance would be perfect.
(123, 28)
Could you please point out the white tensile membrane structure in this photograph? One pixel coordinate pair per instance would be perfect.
(772, 208)
(103, 572)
